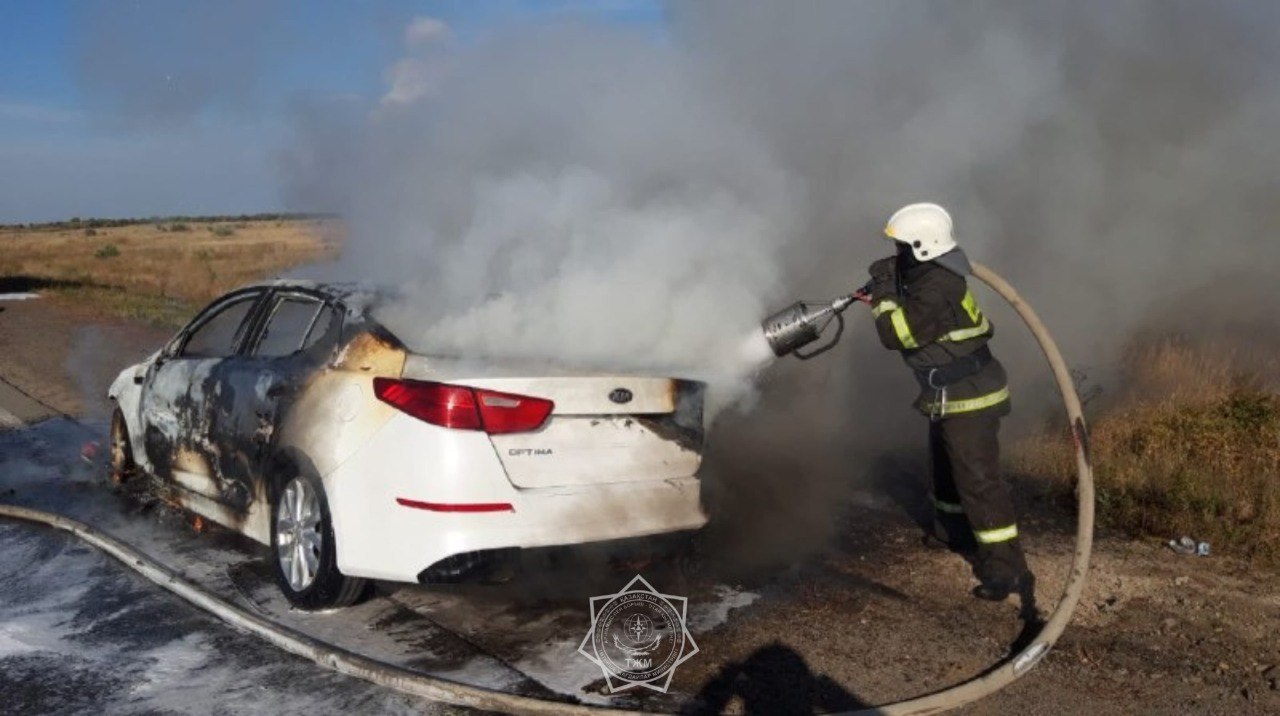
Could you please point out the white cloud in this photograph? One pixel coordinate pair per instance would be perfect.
(425, 31)
(419, 73)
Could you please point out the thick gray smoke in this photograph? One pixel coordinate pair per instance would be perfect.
(619, 200)
(577, 195)
(595, 197)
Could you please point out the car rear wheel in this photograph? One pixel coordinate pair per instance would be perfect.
(122, 464)
(303, 548)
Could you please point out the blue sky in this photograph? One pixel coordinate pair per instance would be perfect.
(110, 108)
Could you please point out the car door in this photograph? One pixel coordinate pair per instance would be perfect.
(182, 391)
(290, 343)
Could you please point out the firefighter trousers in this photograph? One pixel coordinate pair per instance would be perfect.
(973, 504)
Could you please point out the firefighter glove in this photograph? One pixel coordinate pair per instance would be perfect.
(884, 278)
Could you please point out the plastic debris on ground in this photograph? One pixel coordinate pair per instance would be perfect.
(1189, 546)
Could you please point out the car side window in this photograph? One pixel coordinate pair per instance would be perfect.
(287, 329)
(218, 335)
(320, 326)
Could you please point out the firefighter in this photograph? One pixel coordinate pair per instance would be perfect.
(923, 308)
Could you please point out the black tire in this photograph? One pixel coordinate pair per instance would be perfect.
(327, 588)
(122, 467)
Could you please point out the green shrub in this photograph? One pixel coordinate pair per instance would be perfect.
(107, 252)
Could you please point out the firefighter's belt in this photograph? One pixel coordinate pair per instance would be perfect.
(956, 370)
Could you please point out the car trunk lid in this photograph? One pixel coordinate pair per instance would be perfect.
(603, 429)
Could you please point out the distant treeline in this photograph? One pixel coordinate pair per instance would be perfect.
(76, 222)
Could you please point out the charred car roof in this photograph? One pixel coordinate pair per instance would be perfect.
(357, 297)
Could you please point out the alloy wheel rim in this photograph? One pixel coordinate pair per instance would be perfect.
(298, 538)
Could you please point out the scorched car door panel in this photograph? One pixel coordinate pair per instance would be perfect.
(185, 393)
(263, 384)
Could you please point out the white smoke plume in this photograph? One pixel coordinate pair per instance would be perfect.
(574, 195)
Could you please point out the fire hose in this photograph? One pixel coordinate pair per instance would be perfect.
(415, 683)
(802, 324)
(1020, 663)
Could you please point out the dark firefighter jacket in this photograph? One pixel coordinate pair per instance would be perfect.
(930, 316)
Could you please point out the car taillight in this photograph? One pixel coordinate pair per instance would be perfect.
(449, 406)
(464, 408)
(507, 413)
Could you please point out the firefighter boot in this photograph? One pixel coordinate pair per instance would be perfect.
(1002, 569)
(1023, 585)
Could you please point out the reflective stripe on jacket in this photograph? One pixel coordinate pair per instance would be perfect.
(933, 320)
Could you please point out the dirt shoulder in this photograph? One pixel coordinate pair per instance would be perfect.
(65, 355)
(877, 618)
(1154, 633)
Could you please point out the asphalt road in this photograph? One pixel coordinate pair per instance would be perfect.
(18, 409)
(79, 633)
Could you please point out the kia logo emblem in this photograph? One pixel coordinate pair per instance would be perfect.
(621, 396)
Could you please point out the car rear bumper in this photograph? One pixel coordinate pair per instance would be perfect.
(404, 541)
(496, 563)
(380, 538)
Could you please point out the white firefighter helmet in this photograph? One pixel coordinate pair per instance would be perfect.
(926, 228)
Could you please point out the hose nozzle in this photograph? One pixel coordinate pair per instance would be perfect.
(840, 303)
(803, 322)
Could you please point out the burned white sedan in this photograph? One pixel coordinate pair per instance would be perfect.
(284, 411)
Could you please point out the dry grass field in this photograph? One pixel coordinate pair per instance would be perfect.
(1191, 447)
(158, 271)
